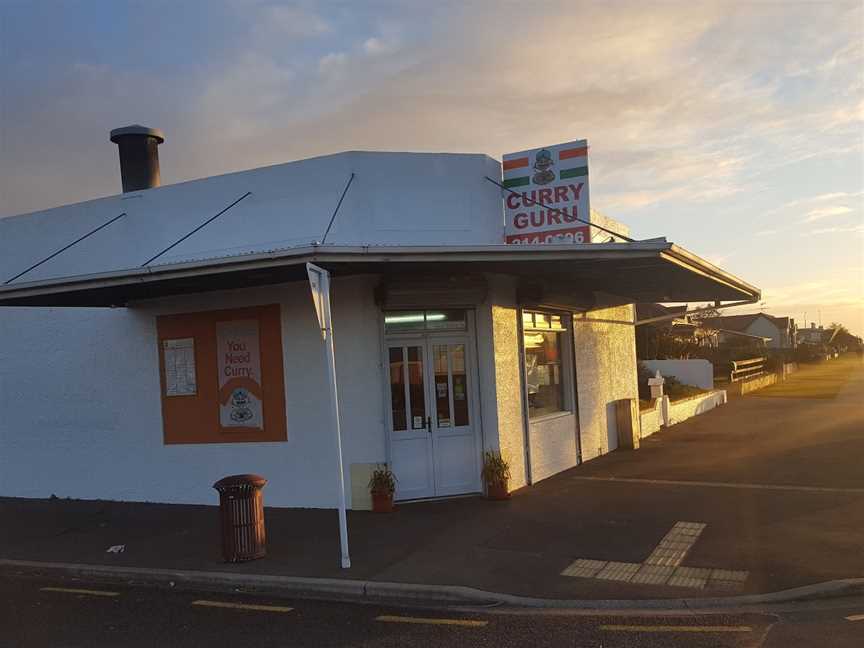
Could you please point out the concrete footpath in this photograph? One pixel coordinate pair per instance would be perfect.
(772, 488)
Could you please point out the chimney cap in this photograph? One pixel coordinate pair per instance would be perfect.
(137, 129)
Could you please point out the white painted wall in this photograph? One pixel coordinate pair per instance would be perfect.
(666, 413)
(500, 376)
(651, 420)
(689, 407)
(605, 350)
(80, 392)
(552, 442)
(697, 372)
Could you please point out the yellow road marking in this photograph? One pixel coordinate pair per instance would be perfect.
(243, 606)
(855, 617)
(73, 590)
(674, 628)
(467, 623)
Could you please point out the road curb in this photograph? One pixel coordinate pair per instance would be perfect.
(412, 593)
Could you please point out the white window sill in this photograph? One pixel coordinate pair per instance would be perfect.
(549, 417)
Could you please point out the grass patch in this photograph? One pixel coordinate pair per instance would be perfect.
(823, 380)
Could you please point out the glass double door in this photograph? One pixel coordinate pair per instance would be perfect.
(433, 447)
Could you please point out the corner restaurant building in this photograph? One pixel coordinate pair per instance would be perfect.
(155, 356)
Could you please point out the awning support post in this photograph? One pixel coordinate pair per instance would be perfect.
(319, 282)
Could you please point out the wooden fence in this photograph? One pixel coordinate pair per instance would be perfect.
(745, 369)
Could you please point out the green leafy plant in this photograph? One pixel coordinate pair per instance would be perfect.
(676, 390)
(382, 480)
(496, 470)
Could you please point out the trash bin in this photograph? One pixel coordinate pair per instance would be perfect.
(241, 509)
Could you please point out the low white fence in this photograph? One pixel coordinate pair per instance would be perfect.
(666, 413)
(697, 372)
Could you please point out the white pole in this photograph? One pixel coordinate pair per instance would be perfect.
(334, 401)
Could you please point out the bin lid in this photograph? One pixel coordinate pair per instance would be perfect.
(240, 481)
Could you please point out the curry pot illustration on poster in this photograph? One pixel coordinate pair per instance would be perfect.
(239, 366)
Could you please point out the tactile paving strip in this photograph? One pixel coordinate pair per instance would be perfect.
(584, 568)
(694, 577)
(663, 566)
(618, 571)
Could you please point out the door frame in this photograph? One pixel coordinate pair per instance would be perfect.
(427, 338)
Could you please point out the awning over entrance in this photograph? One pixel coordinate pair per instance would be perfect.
(643, 271)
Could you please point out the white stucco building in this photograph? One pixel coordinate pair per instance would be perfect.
(124, 353)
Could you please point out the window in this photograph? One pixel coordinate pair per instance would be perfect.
(545, 363)
(424, 320)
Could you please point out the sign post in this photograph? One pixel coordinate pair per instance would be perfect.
(319, 282)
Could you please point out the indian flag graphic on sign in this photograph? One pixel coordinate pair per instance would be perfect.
(547, 194)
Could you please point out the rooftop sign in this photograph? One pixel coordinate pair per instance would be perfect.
(551, 185)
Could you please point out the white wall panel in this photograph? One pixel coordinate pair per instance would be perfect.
(80, 389)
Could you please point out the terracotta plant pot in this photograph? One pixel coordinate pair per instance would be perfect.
(382, 502)
(497, 491)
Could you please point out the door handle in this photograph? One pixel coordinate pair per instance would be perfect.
(429, 424)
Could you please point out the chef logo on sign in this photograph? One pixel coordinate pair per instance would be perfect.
(543, 167)
(240, 411)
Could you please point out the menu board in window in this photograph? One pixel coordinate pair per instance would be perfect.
(179, 358)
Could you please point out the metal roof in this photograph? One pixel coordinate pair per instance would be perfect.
(415, 213)
(395, 199)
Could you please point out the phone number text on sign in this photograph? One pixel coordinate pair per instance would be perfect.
(570, 235)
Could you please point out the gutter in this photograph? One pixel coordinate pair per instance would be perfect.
(331, 254)
(699, 265)
(655, 248)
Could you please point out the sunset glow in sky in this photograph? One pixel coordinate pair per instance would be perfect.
(734, 129)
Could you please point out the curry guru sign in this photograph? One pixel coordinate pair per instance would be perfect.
(551, 192)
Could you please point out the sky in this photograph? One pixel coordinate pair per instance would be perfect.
(734, 129)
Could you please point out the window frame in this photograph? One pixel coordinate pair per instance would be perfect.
(565, 357)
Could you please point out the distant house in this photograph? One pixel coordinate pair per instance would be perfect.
(815, 335)
(844, 341)
(836, 338)
(778, 331)
(672, 323)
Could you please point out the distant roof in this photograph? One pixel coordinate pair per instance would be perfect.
(738, 323)
(742, 322)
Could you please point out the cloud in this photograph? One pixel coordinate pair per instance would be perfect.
(854, 229)
(332, 66)
(380, 46)
(837, 195)
(683, 103)
(826, 212)
(291, 22)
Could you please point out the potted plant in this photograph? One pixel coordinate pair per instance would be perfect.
(496, 474)
(382, 485)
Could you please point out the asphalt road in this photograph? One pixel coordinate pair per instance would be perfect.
(36, 611)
